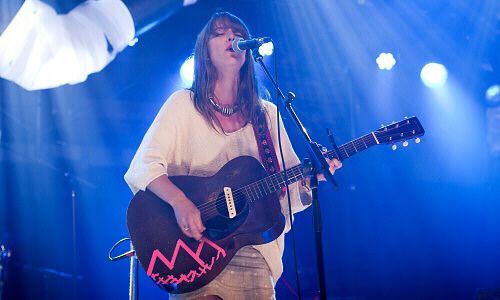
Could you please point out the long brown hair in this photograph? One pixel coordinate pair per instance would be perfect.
(205, 74)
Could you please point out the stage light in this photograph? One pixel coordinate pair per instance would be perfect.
(91, 35)
(187, 72)
(266, 49)
(493, 94)
(434, 75)
(385, 61)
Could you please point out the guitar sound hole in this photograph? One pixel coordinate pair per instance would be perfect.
(221, 225)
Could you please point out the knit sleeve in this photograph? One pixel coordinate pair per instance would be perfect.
(157, 146)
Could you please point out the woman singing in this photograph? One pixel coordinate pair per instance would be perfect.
(196, 132)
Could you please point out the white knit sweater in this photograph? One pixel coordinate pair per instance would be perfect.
(181, 142)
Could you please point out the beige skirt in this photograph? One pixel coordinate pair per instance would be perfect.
(247, 276)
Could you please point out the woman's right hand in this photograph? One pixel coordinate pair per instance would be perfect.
(188, 218)
(186, 213)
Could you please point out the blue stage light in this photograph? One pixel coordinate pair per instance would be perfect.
(434, 75)
(385, 61)
(266, 49)
(187, 72)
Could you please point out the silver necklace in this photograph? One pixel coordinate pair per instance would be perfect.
(225, 110)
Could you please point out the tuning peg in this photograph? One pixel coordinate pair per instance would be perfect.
(417, 140)
(394, 147)
(405, 143)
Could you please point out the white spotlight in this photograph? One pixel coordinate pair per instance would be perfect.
(385, 61)
(187, 72)
(434, 75)
(493, 94)
(266, 49)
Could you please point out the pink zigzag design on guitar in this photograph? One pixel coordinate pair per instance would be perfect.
(195, 255)
(190, 277)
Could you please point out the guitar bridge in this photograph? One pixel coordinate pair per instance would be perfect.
(231, 209)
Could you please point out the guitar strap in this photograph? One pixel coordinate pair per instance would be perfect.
(266, 148)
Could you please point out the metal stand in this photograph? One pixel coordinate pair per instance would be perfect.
(318, 162)
(73, 208)
(133, 290)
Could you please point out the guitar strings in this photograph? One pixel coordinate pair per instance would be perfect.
(361, 144)
(213, 210)
(208, 207)
(354, 146)
(239, 196)
(255, 186)
(256, 190)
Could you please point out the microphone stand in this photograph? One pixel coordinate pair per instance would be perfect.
(133, 288)
(318, 163)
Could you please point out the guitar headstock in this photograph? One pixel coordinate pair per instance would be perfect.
(401, 131)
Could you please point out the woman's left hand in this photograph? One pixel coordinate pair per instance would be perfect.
(334, 165)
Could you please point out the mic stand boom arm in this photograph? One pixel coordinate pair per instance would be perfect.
(318, 162)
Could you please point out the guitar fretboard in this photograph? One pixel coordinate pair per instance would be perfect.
(275, 182)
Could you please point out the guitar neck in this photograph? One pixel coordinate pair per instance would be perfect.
(355, 146)
(275, 182)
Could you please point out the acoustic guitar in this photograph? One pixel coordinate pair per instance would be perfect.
(239, 206)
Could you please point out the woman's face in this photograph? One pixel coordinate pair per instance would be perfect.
(220, 49)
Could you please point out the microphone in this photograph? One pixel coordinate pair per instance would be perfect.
(239, 44)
